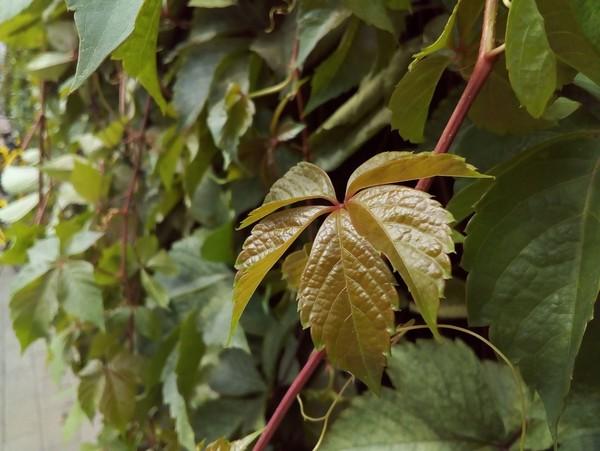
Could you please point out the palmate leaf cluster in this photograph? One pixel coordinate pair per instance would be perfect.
(146, 131)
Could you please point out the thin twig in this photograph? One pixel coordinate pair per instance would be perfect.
(481, 72)
(31, 132)
(43, 198)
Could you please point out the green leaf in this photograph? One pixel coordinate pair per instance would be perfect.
(190, 350)
(529, 59)
(566, 39)
(21, 237)
(193, 274)
(225, 416)
(316, 18)
(267, 243)
(372, 12)
(304, 181)
(332, 147)
(154, 289)
(443, 41)
(411, 98)
(347, 297)
(236, 375)
(91, 384)
(33, 307)
(445, 399)
(50, 66)
(112, 135)
(138, 52)
(117, 402)
(588, 18)
(89, 182)
(229, 119)
(102, 27)
(219, 244)
(24, 30)
(578, 428)
(344, 68)
(293, 267)
(396, 167)
(172, 143)
(13, 8)
(561, 108)
(195, 76)
(496, 108)
(78, 292)
(531, 251)
(178, 412)
(411, 229)
(210, 204)
(82, 241)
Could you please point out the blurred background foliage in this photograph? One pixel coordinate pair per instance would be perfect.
(142, 131)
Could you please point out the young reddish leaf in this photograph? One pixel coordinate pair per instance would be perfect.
(261, 250)
(302, 182)
(395, 167)
(347, 296)
(411, 229)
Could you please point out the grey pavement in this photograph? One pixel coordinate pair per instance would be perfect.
(33, 407)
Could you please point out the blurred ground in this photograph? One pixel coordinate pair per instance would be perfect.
(32, 406)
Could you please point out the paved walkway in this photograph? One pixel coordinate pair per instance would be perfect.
(32, 406)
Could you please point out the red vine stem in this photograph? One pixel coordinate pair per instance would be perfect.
(288, 399)
(483, 67)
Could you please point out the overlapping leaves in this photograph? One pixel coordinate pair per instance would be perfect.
(531, 250)
(346, 292)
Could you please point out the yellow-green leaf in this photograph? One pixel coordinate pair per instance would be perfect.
(138, 52)
(347, 297)
(302, 182)
(442, 42)
(266, 244)
(395, 167)
(293, 267)
(412, 230)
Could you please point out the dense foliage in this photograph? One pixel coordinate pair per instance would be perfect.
(145, 131)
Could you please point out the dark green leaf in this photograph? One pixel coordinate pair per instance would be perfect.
(445, 399)
(529, 59)
(236, 375)
(566, 39)
(372, 12)
(316, 18)
(412, 96)
(531, 252)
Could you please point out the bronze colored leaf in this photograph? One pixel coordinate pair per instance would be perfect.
(347, 296)
(302, 182)
(412, 230)
(395, 167)
(266, 244)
